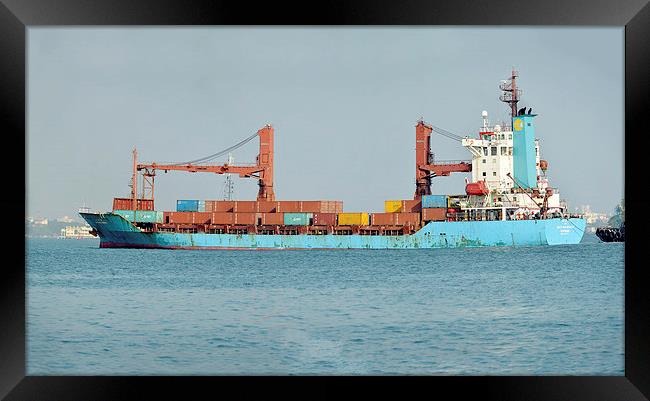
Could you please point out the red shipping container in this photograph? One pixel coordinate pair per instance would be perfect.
(271, 218)
(267, 206)
(180, 217)
(127, 204)
(222, 218)
(412, 206)
(322, 206)
(310, 206)
(201, 217)
(333, 207)
(324, 219)
(288, 206)
(219, 206)
(395, 219)
(245, 206)
(434, 214)
(245, 218)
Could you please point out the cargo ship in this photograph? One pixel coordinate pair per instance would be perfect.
(508, 201)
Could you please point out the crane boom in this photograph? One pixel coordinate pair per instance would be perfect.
(262, 170)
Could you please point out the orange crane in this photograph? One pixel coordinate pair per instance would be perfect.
(262, 170)
(425, 167)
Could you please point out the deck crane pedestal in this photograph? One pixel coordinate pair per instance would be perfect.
(425, 167)
(262, 170)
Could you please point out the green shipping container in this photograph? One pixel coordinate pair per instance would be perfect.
(142, 216)
(297, 219)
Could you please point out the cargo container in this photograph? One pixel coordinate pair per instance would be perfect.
(353, 219)
(127, 204)
(321, 206)
(267, 207)
(190, 206)
(219, 206)
(311, 206)
(141, 216)
(324, 219)
(434, 214)
(274, 206)
(395, 219)
(222, 218)
(289, 206)
(179, 218)
(434, 201)
(297, 219)
(331, 207)
(240, 206)
(245, 218)
(392, 206)
(402, 206)
(271, 219)
(412, 206)
(234, 218)
(245, 207)
(201, 217)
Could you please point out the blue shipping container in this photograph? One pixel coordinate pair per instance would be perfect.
(297, 219)
(189, 206)
(434, 201)
(142, 216)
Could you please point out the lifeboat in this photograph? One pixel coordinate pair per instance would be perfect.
(476, 188)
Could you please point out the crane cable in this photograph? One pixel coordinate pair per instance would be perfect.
(567, 219)
(216, 155)
(446, 133)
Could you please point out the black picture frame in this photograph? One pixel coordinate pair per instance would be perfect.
(17, 15)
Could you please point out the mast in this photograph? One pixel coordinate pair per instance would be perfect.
(510, 93)
(134, 183)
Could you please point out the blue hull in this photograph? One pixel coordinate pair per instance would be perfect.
(116, 232)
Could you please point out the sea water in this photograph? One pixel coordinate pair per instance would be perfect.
(543, 310)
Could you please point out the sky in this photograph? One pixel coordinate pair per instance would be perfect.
(343, 102)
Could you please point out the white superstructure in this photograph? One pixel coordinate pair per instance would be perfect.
(492, 162)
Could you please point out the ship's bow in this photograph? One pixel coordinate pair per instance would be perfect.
(565, 231)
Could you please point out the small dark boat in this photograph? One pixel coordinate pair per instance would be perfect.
(611, 234)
